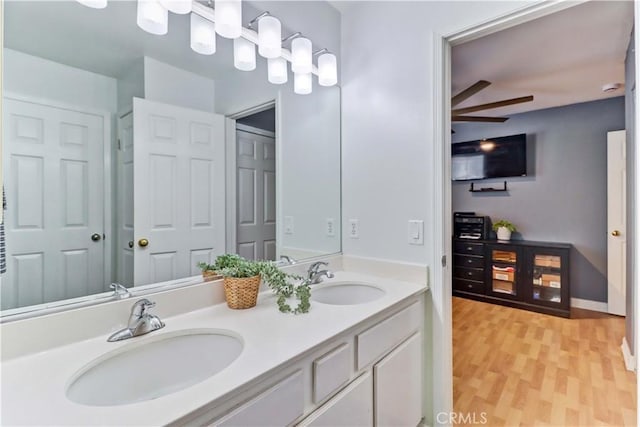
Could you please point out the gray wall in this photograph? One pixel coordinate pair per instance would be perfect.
(630, 87)
(564, 199)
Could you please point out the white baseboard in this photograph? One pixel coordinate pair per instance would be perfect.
(589, 305)
(629, 359)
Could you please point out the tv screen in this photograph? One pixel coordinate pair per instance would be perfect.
(489, 158)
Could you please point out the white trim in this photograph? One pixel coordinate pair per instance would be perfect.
(440, 189)
(629, 359)
(588, 304)
(230, 190)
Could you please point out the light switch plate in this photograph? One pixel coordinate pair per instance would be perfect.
(288, 225)
(354, 228)
(415, 231)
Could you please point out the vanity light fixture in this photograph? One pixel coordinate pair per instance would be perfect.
(302, 83)
(203, 35)
(96, 4)
(301, 55)
(228, 18)
(244, 54)
(181, 7)
(327, 69)
(225, 19)
(153, 17)
(277, 70)
(269, 37)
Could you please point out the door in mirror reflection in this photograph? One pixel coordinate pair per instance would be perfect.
(256, 187)
(54, 181)
(179, 190)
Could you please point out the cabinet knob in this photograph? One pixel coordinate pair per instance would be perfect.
(469, 248)
(470, 261)
(469, 286)
(469, 273)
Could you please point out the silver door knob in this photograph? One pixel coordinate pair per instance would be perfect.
(96, 237)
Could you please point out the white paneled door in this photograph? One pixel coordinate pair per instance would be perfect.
(124, 204)
(256, 188)
(616, 222)
(179, 190)
(54, 181)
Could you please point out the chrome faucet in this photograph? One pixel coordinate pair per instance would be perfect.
(314, 274)
(289, 260)
(140, 322)
(119, 291)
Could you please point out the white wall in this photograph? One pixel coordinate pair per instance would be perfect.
(309, 170)
(43, 79)
(130, 85)
(387, 103)
(171, 85)
(387, 138)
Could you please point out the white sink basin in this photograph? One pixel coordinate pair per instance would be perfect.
(346, 294)
(145, 371)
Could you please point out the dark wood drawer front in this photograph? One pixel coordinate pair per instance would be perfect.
(470, 248)
(468, 261)
(468, 286)
(468, 273)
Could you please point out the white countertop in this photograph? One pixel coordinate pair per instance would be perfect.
(33, 386)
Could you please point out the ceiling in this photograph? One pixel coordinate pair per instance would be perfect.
(561, 59)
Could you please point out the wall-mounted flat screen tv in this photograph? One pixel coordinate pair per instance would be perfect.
(489, 158)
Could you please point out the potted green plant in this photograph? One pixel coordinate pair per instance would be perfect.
(210, 271)
(242, 283)
(503, 229)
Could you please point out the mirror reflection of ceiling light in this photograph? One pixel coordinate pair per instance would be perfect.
(486, 145)
(225, 19)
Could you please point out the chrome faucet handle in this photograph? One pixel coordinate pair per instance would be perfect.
(288, 259)
(313, 268)
(139, 310)
(119, 291)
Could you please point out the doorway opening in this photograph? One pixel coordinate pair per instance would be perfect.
(442, 187)
(254, 229)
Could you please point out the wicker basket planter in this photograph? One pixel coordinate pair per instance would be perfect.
(209, 275)
(241, 292)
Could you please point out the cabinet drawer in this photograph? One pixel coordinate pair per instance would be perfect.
(376, 341)
(280, 405)
(468, 273)
(353, 406)
(468, 261)
(468, 248)
(468, 286)
(331, 371)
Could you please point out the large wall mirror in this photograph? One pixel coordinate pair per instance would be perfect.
(129, 158)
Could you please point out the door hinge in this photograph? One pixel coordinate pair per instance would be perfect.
(443, 260)
(119, 144)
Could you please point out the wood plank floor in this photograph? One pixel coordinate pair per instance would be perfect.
(523, 368)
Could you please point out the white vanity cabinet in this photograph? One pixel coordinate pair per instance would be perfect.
(369, 375)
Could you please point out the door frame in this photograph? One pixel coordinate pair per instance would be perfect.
(440, 189)
(230, 164)
(107, 164)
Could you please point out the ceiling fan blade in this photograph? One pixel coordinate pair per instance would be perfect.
(492, 105)
(469, 92)
(479, 119)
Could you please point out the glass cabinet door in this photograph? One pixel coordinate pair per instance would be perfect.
(504, 262)
(547, 278)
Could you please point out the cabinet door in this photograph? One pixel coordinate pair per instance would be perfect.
(547, 277)
(503, 271)
(398, 385)
(352, 407)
